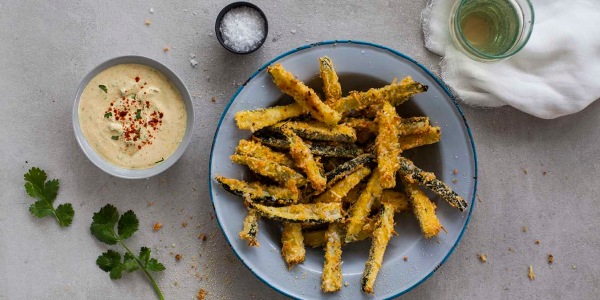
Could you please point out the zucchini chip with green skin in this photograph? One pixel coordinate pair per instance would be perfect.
(254, 120)
(407, 126)
(331, 279)
(324, 149)
(381, 237)
(256, 149)
(362, 207)
(340, 172)
(318, 131)
(431, 136)
(303, 213)
(387, 146)
(282, 174)
(331, 84)
(303, 95)
(250, 230)
(423, 209)
(339, 190)
(395, 94)
(292, 240)
(259, 192)
(305, 160)
(428, 179)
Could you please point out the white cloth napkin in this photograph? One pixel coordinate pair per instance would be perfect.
(556, 74)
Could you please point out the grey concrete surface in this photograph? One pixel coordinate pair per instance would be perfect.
(541, 175)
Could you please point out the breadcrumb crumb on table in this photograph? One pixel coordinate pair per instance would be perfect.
(482, 258)
(550, 258)
(537, 242)
(202, 237)
(178, 257)
(166, 49)
(201, 294)
(148, 22)
(530, 274)
(405, 258)
(157, 226)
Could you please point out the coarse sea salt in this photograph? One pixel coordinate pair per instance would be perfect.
(242, 29)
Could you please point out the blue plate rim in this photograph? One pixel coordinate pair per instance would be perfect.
(398, 53)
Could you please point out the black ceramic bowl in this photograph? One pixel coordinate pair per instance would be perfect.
(236, 5)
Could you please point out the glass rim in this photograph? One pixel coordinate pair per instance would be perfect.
(484, 55)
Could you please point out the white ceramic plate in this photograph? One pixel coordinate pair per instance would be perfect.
(360, 66)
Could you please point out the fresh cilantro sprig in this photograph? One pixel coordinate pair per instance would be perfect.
(103, 228)
(45, 192)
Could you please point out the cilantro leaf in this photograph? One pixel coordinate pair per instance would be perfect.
(45, 192)
(154, 265)
(108, 260)
(128, 224)
(103, 87)
(108, 115)
(115, 137)
(129, 263)
(103, 224)
(138, 114)
(144, 254)
(64, 214)
(103, 228)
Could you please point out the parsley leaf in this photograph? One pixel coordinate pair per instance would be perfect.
(103, 87)
(115, 137)
(108, 115)
(103, 228)
(138, 114)
(45, 192)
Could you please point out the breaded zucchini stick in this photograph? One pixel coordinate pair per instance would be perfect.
(395, 199)
(256, 149)
(314, 130)
(349, 167)
(387, 146)
(331, 280)
(250, 230)
(325, 149)
(395, 94)
(259, 192)
(381, 237)
(413, 173)
(254, 120)
(314, 213)
(339, 190)
(362, 207)
(423, 209)
(292, 241)
(407, 126)
(305, 160)
(304, 95)
(277, 172)
(331, 84)
(431, 136)
(316, 238)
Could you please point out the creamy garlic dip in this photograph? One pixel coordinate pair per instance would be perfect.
(132, 115)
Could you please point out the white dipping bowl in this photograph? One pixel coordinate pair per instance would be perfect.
(113, 169)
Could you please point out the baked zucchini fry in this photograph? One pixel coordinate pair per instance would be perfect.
(387, 146)
(255, 149)
(347, 168)
(381, 237)
(292, 241)
(339, 190)
(316, 238)
(305, 160)
(395, 199)
(256, 119)
(302, 213)
(331, 84)
(431, 136)
(277, 172)
(305, 96)
(250, 230)
(314, 130)
(423, 209)
(395, 94)
(259, 192)
(362, 207)
(324, 149)
(331, 280)
(413, 173)
(407, 126)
